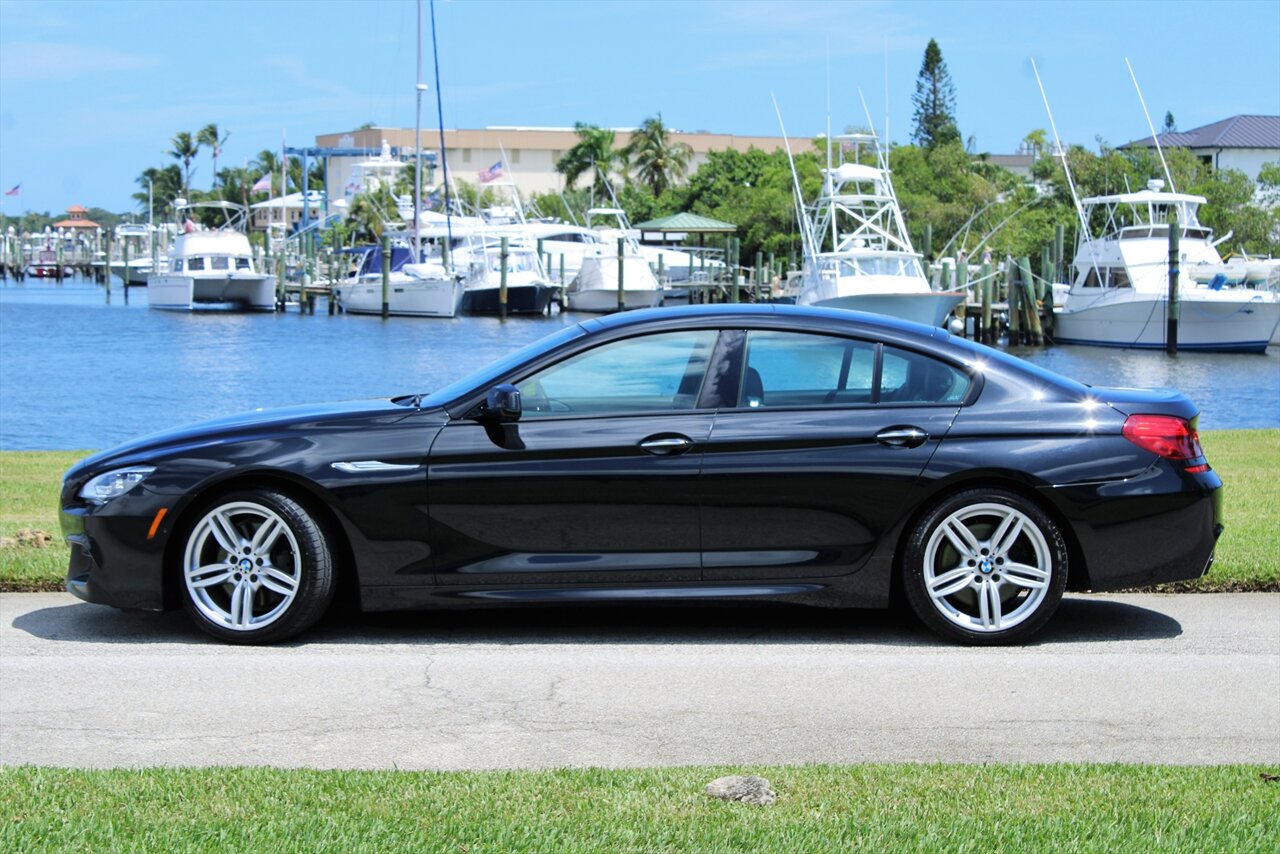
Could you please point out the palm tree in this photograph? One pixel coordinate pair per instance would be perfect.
(185, 149)
(165, 184)
(369, 214)
(656, 159)
(595, 152)
(266, 163)
(208, 135)
(234, 184)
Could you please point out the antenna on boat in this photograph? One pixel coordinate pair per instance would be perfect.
(444, 157)
(1066, 167)
(886, 95)
(1150, 126)
(1062, 152)
(828, 184)
(805, 236)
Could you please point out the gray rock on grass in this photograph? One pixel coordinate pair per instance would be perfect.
(748, 789)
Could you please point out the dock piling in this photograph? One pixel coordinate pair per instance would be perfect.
(386, 276)
(622, 296)
(986, 283)
(1031, 308)
(502, 278)
(1175, 307)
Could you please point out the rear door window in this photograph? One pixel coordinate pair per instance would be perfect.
(801, 369)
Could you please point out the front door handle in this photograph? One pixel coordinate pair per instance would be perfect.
(902, 437)
(666, 446)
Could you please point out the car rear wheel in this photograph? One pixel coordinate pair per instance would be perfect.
(257, 568)
(985, 566)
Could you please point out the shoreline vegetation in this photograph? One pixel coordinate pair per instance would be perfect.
(959, 807)
(1248, 556)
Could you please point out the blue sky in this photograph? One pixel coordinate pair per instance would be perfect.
(91, 91)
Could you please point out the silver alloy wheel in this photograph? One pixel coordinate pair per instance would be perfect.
(987, 567)
(242, 566)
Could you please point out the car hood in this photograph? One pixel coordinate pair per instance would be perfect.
(245, 425)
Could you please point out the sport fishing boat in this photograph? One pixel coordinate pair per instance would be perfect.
(595, 288)
(211, 266)
(870, 264)
(1120, 281)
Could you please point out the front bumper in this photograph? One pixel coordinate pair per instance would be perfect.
(113, 560)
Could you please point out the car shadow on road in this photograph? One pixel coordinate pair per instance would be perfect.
(1080, 619)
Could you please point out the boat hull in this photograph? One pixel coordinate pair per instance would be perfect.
(596, 287)
(521, 299)
(930, 309)
(602, 301)
(1243, 324)
(405, 298)
(188, 293)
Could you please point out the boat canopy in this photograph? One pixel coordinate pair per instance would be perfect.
(846, 172)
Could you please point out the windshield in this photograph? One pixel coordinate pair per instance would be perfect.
(491, 373)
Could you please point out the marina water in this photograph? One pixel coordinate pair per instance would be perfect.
(79, 371)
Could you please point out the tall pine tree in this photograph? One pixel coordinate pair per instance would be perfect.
(935, 101)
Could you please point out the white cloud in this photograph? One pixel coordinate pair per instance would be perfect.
(63, 61)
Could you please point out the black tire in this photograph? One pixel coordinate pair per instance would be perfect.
(1000, 597)
(287, 583)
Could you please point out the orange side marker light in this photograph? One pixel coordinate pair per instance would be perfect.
(155, 523)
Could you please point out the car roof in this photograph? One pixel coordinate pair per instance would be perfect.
(822, 317)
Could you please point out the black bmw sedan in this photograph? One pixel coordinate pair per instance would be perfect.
(768, 452)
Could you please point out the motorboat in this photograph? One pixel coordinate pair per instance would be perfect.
(142, 261)
(857, 252)
(211, 266)
(596, 287)
(528, 290)
(415, 287)
(1119, 293)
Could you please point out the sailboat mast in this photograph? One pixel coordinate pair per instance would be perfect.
(417, 149)
(444, 157)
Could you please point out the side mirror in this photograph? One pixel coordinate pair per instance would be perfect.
(502, 404)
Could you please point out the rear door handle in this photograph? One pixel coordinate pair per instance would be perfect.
(902, 437)
(666, 446)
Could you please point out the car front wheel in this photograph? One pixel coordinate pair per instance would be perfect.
(257, 568)
(985, 566)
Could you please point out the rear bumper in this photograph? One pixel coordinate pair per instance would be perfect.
(1157, 528)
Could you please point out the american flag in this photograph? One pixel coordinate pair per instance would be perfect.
(263, 185)
(493, 173)
(16, 191)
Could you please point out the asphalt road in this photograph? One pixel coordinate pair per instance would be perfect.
(1146, 678)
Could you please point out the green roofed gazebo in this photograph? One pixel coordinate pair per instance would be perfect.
(688, 223)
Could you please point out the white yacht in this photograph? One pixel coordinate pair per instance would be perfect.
(140, 239)
(595, 288)
(210, 267)
(1120, 281)
(870, 264)
(421, 289)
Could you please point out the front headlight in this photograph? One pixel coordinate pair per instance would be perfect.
(109, 485)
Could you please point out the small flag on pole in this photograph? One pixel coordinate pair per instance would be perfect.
(493, 173)
(263, 184)
(16, 191)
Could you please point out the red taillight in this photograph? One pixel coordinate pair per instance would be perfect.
(1170, 437)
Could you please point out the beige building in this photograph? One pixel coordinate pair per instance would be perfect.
(530, 152)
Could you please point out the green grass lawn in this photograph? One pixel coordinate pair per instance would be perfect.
(1248, 553)
(1003, 808)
